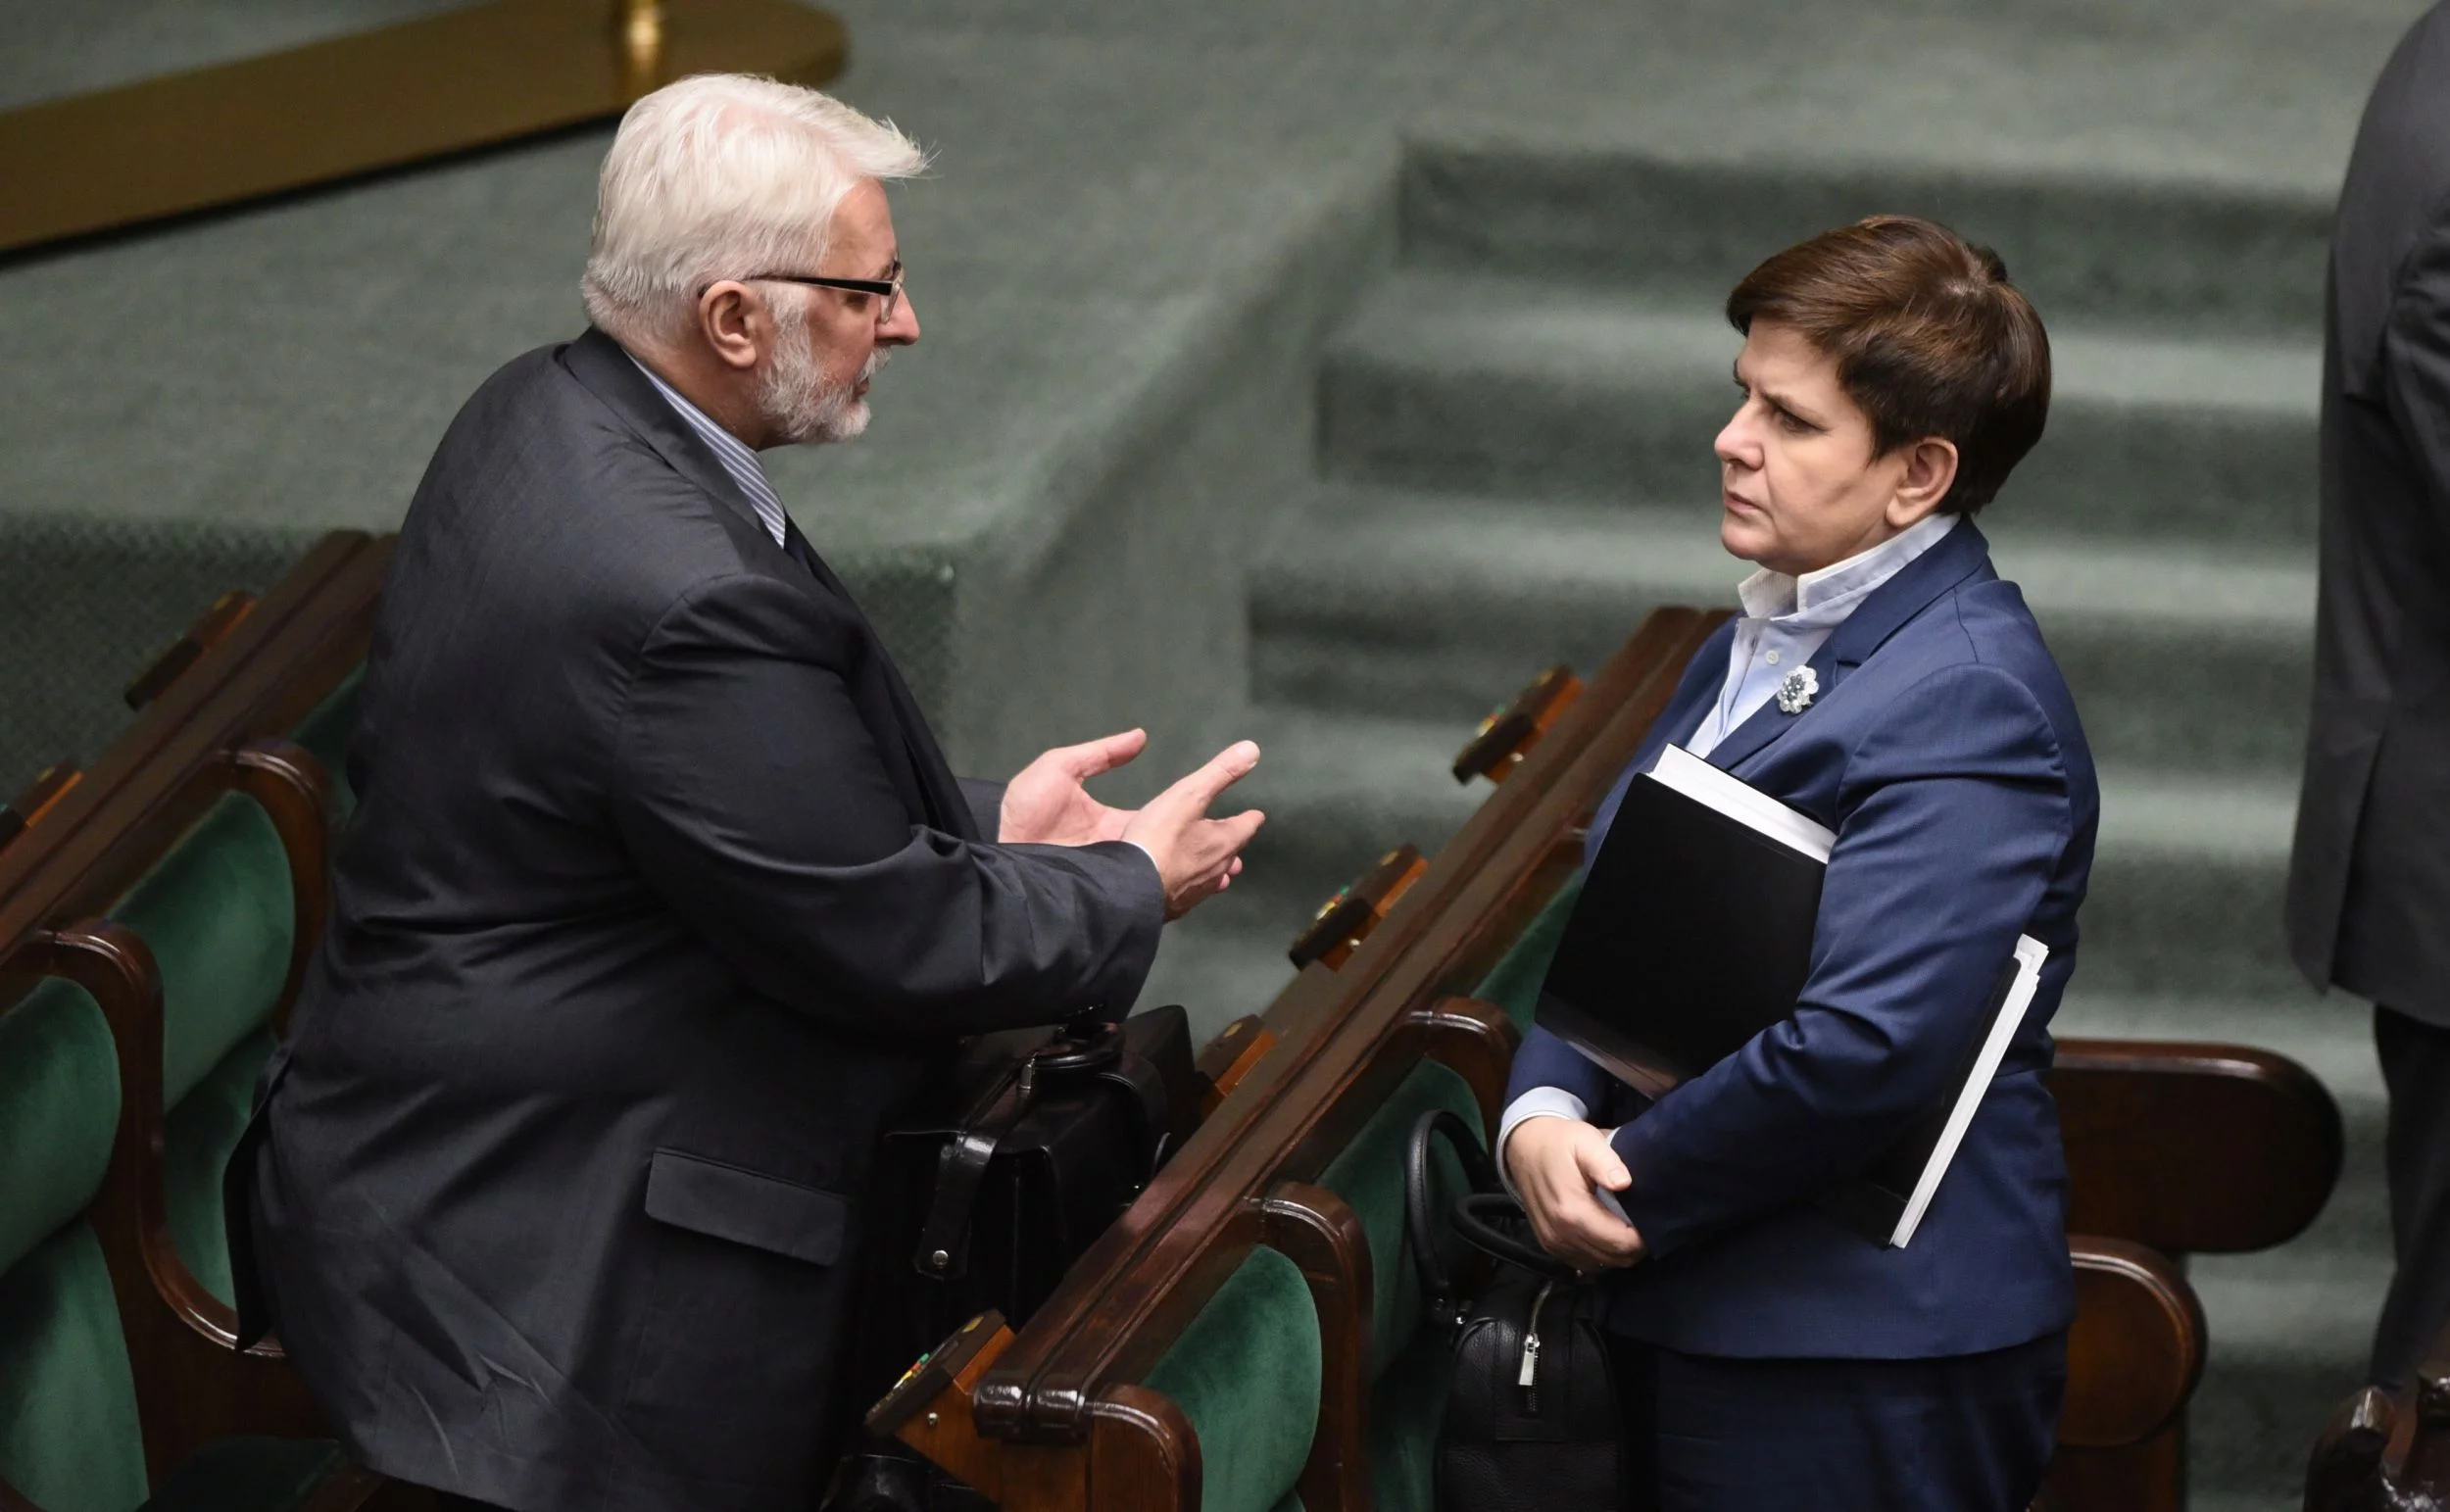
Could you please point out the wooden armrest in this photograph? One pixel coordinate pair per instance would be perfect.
(1507, 735)
(1345, 920)
(2192, 1148)
(209, 631)
(2136, 1351)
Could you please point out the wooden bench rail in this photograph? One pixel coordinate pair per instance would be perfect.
(2213, 1148)
(1345, 1037)
(210, 628)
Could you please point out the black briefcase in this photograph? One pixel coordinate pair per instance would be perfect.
(985, 1192)
(1531, 1419)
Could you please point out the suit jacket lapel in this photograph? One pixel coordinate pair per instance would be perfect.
(1957, 556)
(912, 759)
(931, 782)
(597, 360)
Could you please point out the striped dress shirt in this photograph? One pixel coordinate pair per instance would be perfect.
(729, 450)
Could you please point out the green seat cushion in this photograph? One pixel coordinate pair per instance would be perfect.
(1368, 1174)
(248, 1475)
(1514, 984)
(196, 1143)
(59, 1111)
(326, 733)
(1407, 1407)
(69, 1436)
(219, 912)
(1247, 1372)
(1291, 1503)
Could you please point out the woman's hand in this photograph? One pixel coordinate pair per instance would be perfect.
(1555, 1163)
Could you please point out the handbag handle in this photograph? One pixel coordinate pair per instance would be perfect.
(1446, 1301)
(1485, 1218)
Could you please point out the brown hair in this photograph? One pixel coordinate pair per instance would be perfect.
(1930, 337)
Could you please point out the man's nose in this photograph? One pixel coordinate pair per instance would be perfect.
(904, 328)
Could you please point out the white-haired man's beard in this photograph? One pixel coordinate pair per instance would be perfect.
(796, 400)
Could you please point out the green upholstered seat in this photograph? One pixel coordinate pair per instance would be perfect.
(68, 1436)
(1514, 984)
(219, 913)
(1248, 1373)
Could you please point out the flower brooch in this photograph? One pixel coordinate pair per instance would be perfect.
(1795, 690)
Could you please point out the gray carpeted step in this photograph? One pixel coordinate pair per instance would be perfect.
(1495, 386)
(1382, 602)
(2144, 254)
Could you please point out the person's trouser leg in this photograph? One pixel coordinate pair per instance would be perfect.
(2416, 1069)
(1963, 1433)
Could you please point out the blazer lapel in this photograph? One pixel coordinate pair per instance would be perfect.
(920, 775)
(597, 360)
(1959, 555)
(932, 787)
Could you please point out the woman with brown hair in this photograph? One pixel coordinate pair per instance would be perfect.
(1886, 681)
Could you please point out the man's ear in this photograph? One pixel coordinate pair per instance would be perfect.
(732, 324)
(1931, 470)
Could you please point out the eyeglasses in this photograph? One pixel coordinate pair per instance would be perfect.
(886, 288)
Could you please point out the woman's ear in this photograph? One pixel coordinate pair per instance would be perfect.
(1931, 470)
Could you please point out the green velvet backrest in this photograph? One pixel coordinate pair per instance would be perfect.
(1514, 984)
(1248, 1373)
(69, 1432)
(219, 913)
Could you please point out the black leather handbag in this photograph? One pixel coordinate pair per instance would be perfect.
(1023, 1151)
(1532, 1418)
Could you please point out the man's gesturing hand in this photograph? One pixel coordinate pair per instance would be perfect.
(1197, 855)
(1045, 805)
(1555, 1163)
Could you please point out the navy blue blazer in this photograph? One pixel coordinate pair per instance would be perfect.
(1944, 751)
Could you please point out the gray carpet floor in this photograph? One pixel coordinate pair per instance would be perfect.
(1318, 371)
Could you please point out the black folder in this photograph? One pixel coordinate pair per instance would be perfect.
(1693, 933)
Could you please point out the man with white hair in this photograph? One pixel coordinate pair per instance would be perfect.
(658, 898)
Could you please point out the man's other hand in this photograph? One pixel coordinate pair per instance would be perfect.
(1197, 855)
(1048, 806)
(1556, 1163)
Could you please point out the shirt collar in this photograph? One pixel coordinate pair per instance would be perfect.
(737, 460)
(1820, 600)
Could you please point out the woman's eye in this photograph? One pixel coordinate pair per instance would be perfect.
(1790, 423)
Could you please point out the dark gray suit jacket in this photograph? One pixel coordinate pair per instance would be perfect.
(2369, 888)
(658, 901)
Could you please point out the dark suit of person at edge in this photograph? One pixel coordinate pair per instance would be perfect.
(659, 898)
(2369, 878)
(1885, 680)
